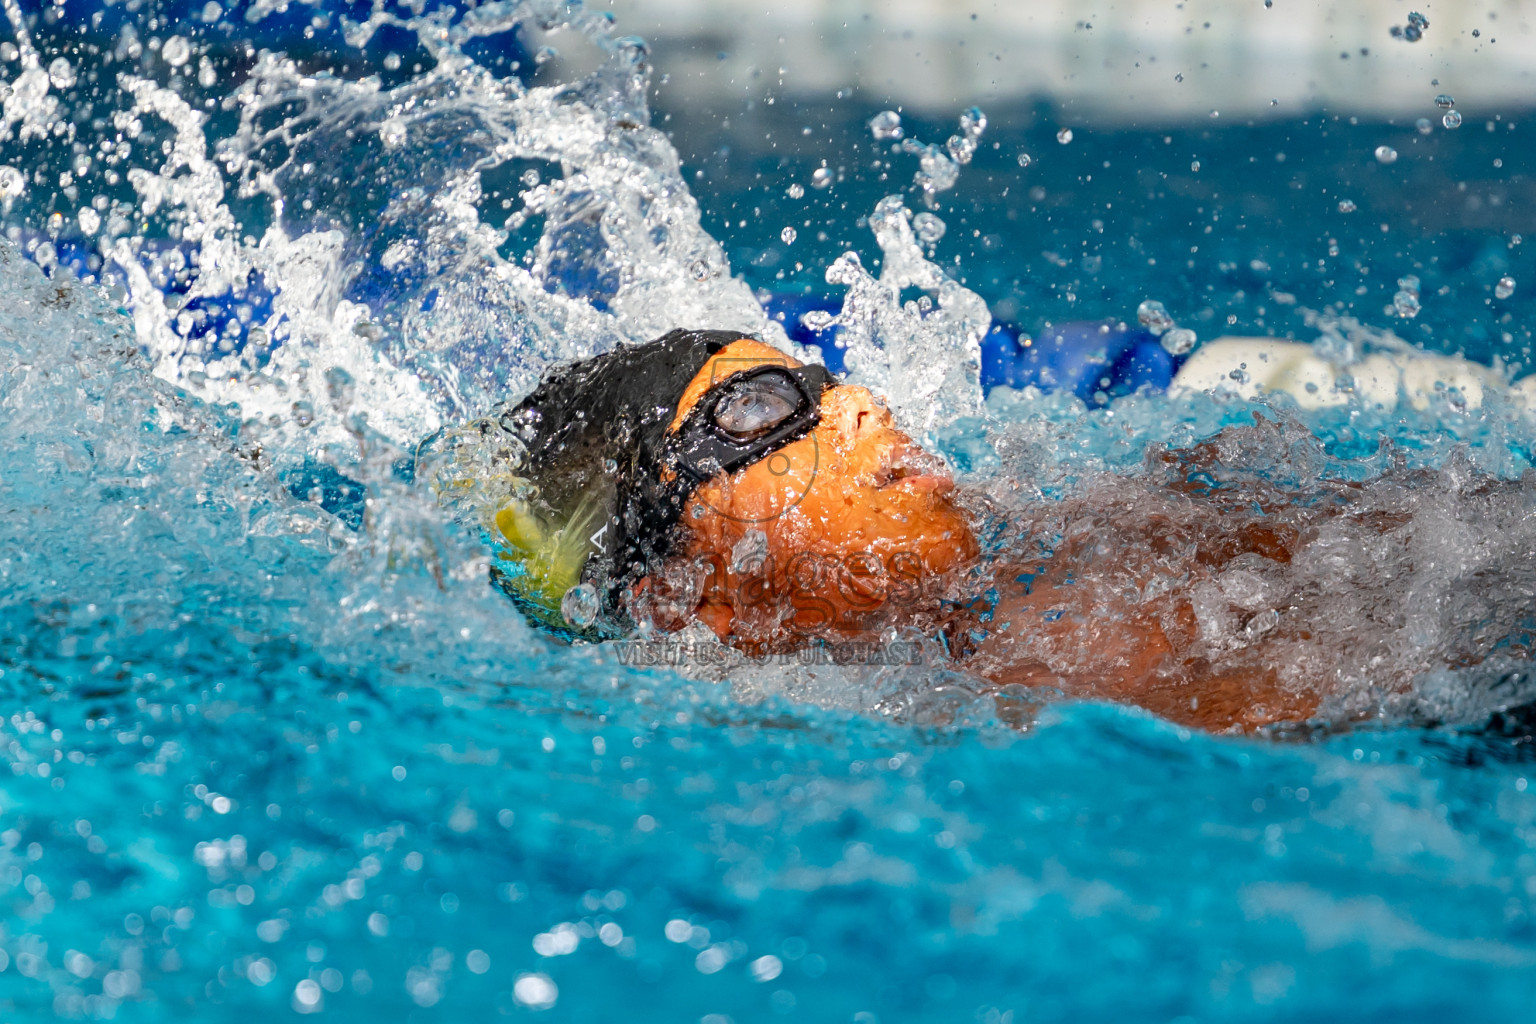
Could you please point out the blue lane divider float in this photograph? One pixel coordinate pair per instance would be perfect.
(1097, 360)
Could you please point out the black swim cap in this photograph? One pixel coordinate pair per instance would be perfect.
(592, 514)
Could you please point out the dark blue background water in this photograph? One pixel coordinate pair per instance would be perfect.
(1117, 215)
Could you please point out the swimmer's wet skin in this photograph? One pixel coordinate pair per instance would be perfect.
(708, 477)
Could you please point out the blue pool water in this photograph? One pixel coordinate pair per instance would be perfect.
(276, 747)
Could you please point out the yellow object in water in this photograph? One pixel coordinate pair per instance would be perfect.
(552, 556)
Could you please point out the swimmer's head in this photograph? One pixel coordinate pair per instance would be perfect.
(708, 475)
(838, 531)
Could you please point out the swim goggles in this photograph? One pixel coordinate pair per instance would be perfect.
(746, 417)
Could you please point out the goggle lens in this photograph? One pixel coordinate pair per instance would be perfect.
(754, 407)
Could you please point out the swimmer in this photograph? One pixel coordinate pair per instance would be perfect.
(708, 478)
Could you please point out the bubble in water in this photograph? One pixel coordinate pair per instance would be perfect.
(700, 270)
(579, 605)
(61, 74)
(212, 12)
(392, 61)
(1025, 159)
(1064, 136)
(1452, 119)
(1424, 126)
(12, 182)
(1347, 206)
(788, 234)
(207, 77)
(393, 132)
(1178, 341)
(795, 191)
(749, 553)
(1386, 154)
(1153, 316)
(885, 125)
(1444, 102)
(1505, 288)
(545, 54)
(928, 228)
(821, 177)
(176, 51)
(90, 220)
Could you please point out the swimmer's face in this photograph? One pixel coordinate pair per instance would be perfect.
(857, 519)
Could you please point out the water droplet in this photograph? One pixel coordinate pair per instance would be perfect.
(818, 320)
(1178, 341)
(749, 553)
(929, 229)
(1505, 288)
(393, 132)
(1444, 102)
(961, 148)
(545, 54)
(821, 177)
(885, 125)
(536, 991)
(1424, 126)
(1386, 154)
(973, 122)
(392, 61)
(1406, 302)
(1347, 206)
(1025, 159)
(1153, 316)
(1452, 119)
(12, 182)
(579, 605)
(176, 51)
(1064, 136)
(90, 220)
(788, 234)
(796, 191)
(61, 74)
(1194, 165)
(700, 270)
